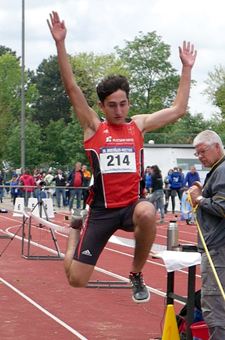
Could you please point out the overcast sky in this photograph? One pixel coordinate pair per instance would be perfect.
(100, 25)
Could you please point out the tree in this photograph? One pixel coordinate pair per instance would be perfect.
(53, 102)
(10, 93)
(90, 69)
(186, 128)
(53, 148)
(12, 149)
(10, 87)
(72, 141)
(216, 88)
(5, 50)
(153, 80)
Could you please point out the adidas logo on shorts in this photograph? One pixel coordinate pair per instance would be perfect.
(86, 252)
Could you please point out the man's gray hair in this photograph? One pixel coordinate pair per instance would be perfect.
(209, 138)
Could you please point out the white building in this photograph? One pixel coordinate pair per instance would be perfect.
(168, 156)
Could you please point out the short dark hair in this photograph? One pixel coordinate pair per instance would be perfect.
(27, 171)
(110, 85)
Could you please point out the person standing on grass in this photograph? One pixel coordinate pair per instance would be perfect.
(115, 151)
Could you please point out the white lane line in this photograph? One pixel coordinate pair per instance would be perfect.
(32, 302)
(153, 290)
(122, 278)
(50, 250)
(96, 268)
(113, 250)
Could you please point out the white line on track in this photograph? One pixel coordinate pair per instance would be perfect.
(32, 302)
(109, 273)
(152, 262)
(43, 310)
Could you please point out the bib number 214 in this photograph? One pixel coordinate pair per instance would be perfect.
(114, 160)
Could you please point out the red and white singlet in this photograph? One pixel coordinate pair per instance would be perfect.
(115, 153)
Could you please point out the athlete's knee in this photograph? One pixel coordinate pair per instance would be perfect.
(145, 213)
(75, 281)
(78, 274)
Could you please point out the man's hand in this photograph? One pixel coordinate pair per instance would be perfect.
(56, 27)
(187, 55)
(194, 192)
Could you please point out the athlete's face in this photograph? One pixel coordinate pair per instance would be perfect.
(115, 107)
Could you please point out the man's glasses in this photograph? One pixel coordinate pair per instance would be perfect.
(201, 153)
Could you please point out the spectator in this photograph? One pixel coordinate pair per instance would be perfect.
(60, 181)
(13, 172)
(191, 177)
(1, 186)
(27, 184)
(50, 184)
(157, 190)
(37, 177)
(167, 190)
(15, 191)
(210, 202)
(75, 182)
(182, 187)
(176, 184)
(147, 178)
(87, 178)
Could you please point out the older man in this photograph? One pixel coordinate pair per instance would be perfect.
(211, 219)
(191, 177)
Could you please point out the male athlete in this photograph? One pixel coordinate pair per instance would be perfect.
(115, 149)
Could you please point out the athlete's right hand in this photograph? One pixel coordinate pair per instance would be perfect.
(56, 27)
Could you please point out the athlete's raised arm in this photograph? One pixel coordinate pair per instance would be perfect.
(87, 117)
(163, 117)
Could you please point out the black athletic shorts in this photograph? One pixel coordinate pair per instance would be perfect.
(100, 225)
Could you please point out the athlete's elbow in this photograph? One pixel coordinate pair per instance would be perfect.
(179, 111)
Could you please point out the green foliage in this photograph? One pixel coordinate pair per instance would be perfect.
(153, 80)
(72, 141)
(10, 93)
(53, 134)
(219, 99)
(53, 102)
(90, 69)
(215, 81)
(12, 149)
(182, 131)
(216, 88)
(7, 50)
(52, 148)
(10, 85)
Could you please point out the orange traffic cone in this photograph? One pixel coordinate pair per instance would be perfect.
(170, 331)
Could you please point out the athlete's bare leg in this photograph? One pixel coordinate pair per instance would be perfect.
(145, 230)
(78, 273)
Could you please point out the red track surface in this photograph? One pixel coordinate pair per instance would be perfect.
(36, 301)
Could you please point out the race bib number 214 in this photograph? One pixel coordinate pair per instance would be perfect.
(117, 159)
